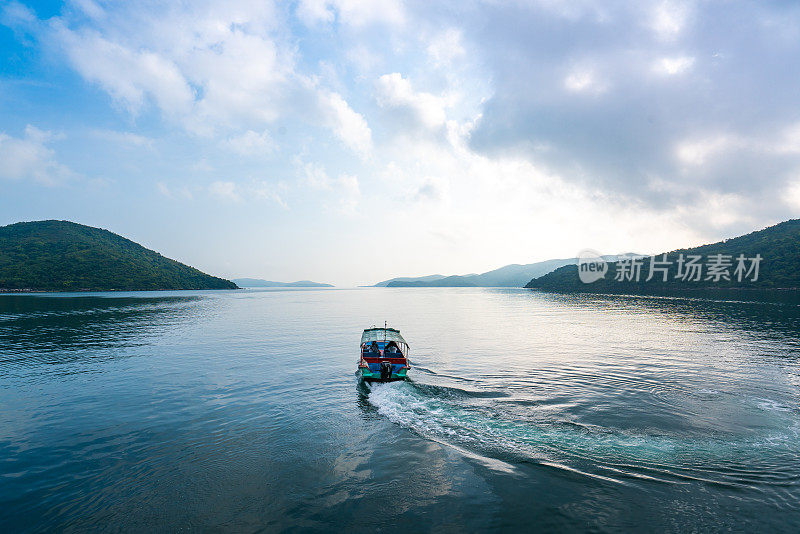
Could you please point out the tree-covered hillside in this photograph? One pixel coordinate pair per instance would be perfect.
(65, 256)
(779, 267)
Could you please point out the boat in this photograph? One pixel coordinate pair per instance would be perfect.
(384, 355)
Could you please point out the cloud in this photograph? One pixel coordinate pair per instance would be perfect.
(124, 138)
(349, 126)
(702, 150)
(129, 76)
(17, 15)
(225, 191)
(698, 151)
(669, 18)
(756, 168)
(583, 80)
(345, 186)
(314, 176)
(313, 12)
(210, 69)
(791, 193)
(253, 190)
(431, 189)
(268, 191)
(670, 103)
(395, 92)
(673, 65)
(30, 158)
(446, 47)
(201, 66)
(351, 12)
(89, 8)
(251, 143)
(172, 192)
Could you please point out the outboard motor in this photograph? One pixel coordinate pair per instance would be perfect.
(386, 370)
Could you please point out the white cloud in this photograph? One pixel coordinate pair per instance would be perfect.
(312, 12)
(202, 165)
(315, 176)
(720, 210)
(124, 138)
(346, 124)
(244, 78)
(254, 190)
(130, 76)
(669, 18)
(251, 143)
(350, 193)
(29, 158)
(788, 141)
(225, 191)
(164, 189)
(15, 14)
(673, 65)
(446, 47)
(394, 91)
(89, 8)
(345, 186)
(208, 68)
(170, 192)
(699, 151)
(269, 191)
(435, 189)
(364, 58)
(470, 219)
(203, 66)
(583, 80)
(791, 194)
(351, 12)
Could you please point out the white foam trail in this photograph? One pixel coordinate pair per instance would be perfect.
(450, 421)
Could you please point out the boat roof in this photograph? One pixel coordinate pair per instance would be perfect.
(379, 334)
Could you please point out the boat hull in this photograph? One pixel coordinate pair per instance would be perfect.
(368, 376)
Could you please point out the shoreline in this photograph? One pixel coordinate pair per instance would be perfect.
(28, 290)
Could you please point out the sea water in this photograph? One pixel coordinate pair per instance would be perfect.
(240, 410)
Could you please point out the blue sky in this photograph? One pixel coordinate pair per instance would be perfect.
(349, 142)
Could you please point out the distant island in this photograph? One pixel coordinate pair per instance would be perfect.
(257, 282)
(514, 275)
(66, 256)
(428, 278)
(779, 267)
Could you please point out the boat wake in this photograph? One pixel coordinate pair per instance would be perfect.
(476, 422)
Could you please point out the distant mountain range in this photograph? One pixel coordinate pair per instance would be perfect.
(779, 267)
(66, 256)
(257, 282)
(514, 275)
(429, 278)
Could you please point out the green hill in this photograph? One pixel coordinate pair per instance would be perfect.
(778, 246)
(65, 256)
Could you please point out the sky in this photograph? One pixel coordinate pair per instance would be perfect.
(349, 142)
